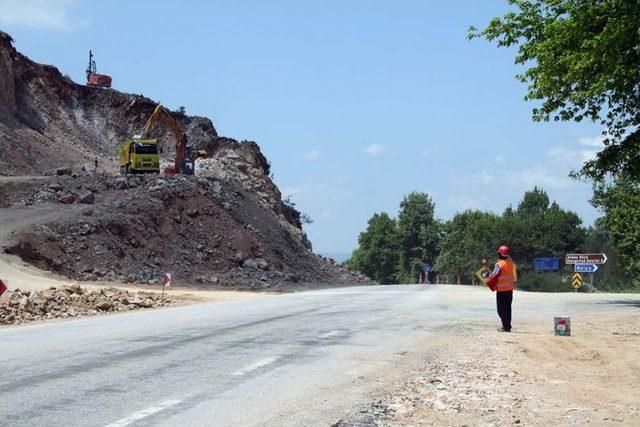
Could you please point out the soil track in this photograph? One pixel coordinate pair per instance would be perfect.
(16, 272)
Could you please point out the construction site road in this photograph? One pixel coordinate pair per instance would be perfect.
(297, 359)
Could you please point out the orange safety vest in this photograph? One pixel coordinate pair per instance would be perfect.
(507, 277)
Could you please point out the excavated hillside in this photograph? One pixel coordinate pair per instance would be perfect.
(227, 226)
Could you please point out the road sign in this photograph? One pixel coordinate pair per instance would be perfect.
(483, 274)
(577, 280)
(3, 287)
(166, 279)
(585, 268)
(546, 264)
(585, 259)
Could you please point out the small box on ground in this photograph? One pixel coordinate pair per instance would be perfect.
(562, 326)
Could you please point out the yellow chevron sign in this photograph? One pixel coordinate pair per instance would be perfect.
(577, 280)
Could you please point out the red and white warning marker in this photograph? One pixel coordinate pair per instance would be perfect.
(3, 287)
(166, 279)
(166, 282)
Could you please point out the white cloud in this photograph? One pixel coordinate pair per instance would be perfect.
(374, 150)
(592, 141)
(40, 15)
(537, 176)
(499, 158)
(311, 154)
(485, 177)
(572, 157)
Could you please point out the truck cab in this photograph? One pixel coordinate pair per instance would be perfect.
(137, 155)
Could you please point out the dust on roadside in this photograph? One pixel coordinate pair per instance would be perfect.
(474, 375)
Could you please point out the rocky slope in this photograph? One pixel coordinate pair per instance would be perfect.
(226, 226)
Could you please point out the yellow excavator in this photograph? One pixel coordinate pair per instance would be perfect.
(139, 154)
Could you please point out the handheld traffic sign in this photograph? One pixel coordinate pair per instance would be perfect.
(483, 274)
(585, 259)
(166, 281)
(585, 268)
(577, 280)
(546, 264)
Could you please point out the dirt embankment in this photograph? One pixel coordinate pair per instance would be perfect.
(473, 376)
(205, 231)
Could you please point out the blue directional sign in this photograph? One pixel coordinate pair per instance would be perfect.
(585, 268)
(546, 264)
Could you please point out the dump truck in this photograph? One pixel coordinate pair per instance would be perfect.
(138, 155)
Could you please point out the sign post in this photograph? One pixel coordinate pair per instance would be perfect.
(585, 268)
(546, 264)
(166, 281)
(585, 259)
(576, 281)
(585, 263)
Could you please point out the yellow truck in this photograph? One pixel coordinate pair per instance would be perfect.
(137, 155)
(140, 153)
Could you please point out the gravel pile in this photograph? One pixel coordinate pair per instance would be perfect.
(73, 301)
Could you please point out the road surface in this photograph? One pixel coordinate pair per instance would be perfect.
(297, 359)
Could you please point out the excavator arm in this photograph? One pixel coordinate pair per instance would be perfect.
(182, 162)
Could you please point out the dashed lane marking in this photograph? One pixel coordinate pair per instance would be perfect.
(144, 413)
(257, 365)
(330, 334)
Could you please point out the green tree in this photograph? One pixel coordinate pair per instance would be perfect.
(620, 203)
(611, 276)
(580, 60)
(468, 237)
(418, 234)
(377, 255)
(538, 228)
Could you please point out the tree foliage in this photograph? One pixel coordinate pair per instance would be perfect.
(620, 202)
(378, 254)
(581, 60)
(418, 234)
(469, 237)
(538, 228)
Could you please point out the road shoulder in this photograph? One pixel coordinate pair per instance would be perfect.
(474, 375)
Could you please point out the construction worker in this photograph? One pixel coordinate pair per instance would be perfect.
(503, 280)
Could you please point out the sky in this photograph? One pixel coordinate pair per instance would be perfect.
(355, 103)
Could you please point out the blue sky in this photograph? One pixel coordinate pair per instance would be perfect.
(355, 103)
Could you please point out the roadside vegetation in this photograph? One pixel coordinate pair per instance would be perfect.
(391, 250)
(580, 62)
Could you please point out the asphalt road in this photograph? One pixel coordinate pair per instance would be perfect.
(298, 359)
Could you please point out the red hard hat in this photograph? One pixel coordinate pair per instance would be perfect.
(504, 250)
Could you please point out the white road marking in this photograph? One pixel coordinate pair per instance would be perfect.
(259, 364)
(144, 413)
(330, 334)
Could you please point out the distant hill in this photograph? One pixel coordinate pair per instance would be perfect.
(338, 256)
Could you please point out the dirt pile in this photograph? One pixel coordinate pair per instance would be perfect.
(205, 231)
(73, 301)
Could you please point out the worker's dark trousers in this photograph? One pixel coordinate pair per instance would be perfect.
(503, 301)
